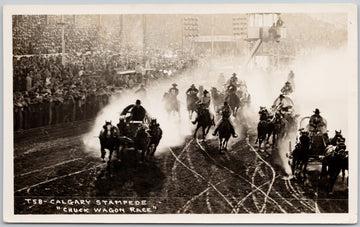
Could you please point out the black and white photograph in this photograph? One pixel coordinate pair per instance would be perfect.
(143, 113)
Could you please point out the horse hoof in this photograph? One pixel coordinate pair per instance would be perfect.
(103, 160)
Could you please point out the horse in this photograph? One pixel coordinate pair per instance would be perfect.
(142, 141)
(156, 135)
(234, 102)
(279, 128)
(262, 132)
(109, 139)
(203, 120)
(334, 161)
(191, 101)
(217, 98)
(301, 154)
(171, 104)
(224, 130)
(337, 138)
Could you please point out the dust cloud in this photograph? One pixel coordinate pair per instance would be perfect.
(321, 81)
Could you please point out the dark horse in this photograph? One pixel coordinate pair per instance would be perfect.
(203, 120)
(263, 133)
(191, 104)
(301, 154)
(156, 135)
(279, 127)
(142, 141)
(234, 101)
(217, 98)
(336, 159)
(337, 138)
(109, 139)
(264, 129)
(225, 131)
(172, 105)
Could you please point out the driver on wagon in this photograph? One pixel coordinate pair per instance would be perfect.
(317, 122)
(226, 113)
(138, 113)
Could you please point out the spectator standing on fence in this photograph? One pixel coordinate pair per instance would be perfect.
(29, 81)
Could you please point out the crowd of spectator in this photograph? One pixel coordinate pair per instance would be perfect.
(48, 90)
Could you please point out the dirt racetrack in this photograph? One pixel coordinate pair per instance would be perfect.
(51, 163)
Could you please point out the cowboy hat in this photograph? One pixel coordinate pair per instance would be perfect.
(174, 84)
(205, 92)
(317, 111)
(234, 74)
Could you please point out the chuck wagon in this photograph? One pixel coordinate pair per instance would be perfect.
(135, 132)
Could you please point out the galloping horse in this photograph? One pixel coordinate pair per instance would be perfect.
(191, 104)
(336, 158)
(156, 135)
(171, 104)
(234, 101)
(217, 98)
(265, 128)
(109, 139)
(142, 141)
(301, 154)
(224, 130)
(280, 126)
(263, 133)
(204, 121)
(337, 138)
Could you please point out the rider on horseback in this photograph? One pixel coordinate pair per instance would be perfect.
(205, 99)
(233, 80)
(174, 91)
(226, 113)
(287, 89)
(192, 91)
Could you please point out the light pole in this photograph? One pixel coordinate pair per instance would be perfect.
(62, 24)
(212, 34)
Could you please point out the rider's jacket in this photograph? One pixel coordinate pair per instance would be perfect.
(192, 91)
(138, 113)
(225, 112)
(174, 91)
(231, 87)
(205, 100)
(233, 80)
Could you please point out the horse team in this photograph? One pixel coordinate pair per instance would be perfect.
(277, 124)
